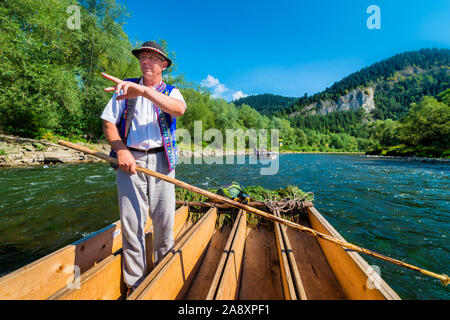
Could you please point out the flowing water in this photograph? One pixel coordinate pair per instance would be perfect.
(395, 207)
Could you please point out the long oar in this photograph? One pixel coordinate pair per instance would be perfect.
(444, 278)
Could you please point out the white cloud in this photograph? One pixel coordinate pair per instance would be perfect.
(219, 90)
(210, 81)
(238, 95)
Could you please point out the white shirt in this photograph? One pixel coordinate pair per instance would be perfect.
(144, 130)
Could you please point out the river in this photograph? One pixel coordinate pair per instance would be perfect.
(395, 207)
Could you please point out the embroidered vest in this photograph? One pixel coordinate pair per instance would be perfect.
(167, 125)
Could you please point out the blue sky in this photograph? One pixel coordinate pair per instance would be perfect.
(284, 47)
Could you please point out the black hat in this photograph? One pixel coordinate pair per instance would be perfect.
(152, 46)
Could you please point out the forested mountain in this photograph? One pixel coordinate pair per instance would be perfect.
(266, 103)
(397, 82)
(373, 108)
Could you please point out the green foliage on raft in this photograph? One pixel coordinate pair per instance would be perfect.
(257, 193)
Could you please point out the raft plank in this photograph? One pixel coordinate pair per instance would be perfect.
(223, 259)
(204, 278)
(104, 281)
(185, 234)
(176, 274)
(318, 278)
(295, 274)
(229, 282)
(260, 267)
(286, 276)
(351, 270)
(41, 278)
(100, 245)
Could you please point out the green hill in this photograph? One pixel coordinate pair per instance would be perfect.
(266, 103)
(396, 107)
(398, 81)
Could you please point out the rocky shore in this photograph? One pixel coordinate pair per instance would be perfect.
(16, 152)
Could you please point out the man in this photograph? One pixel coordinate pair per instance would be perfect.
(139, 124)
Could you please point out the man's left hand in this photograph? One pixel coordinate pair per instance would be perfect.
(129, 89)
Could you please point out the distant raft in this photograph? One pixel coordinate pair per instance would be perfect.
(264, 154)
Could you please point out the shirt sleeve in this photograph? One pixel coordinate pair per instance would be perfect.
(113, 110)
(175, 93)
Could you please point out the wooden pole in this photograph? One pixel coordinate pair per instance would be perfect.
(444, 278)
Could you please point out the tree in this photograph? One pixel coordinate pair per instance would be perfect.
(386, 132)
(39, 86)
(427, 123)
(52, 73)
(248, 117)
(225, 115)
(444, 97)
(199, 109)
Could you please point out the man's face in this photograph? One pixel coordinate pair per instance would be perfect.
(152, 64)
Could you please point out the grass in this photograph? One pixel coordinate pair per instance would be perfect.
(39, 147)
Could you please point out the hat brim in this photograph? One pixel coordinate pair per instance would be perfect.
(136, 52)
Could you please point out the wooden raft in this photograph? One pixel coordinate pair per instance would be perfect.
(270, 261)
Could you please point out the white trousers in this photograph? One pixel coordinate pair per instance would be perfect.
(139, 194)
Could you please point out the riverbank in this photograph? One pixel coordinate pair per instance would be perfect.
(411, 158)
(320, 152)
(408, 151)
(17, 152)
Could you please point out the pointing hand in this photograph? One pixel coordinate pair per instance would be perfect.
(129, 89)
